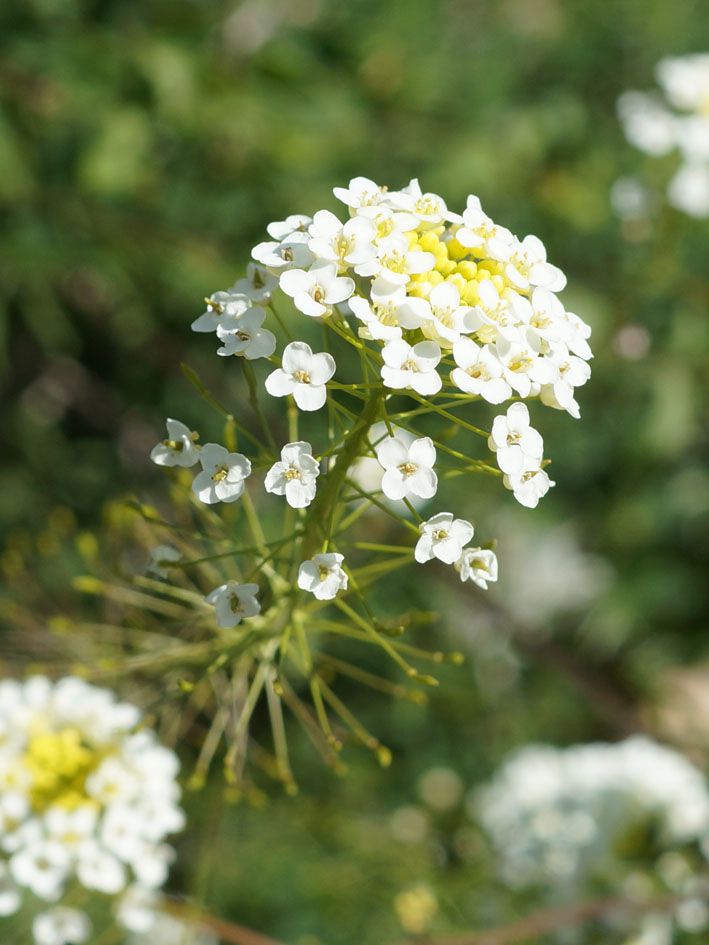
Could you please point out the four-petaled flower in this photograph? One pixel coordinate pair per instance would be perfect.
(302, 374)
(323, 575)
(409, 468)
(246, 337)
(179, 449)
(411, 366)
(514, 441)
(442, 537)
(222, 308)
(294, 476)
(223, 474)
(478, 565)
(234, 602)
(315, 292)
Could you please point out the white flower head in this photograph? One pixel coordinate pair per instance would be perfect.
(409, 468)
(294, 476)
(61, 925)
(442, 537)
(234, 602)
(222, 308)
(302, 374)
(407, 366)
(514, 441)
(179, 449)
(316, 291)
(223, 474)
(246, 337)
(478, 565)
(323, 575)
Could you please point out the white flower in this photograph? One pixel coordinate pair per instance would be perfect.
(61, 926)
(296, 224)
(522, 363)
(361, 192)
(137, 909)
(348, 244)
(514, 441)
(647, 123)
(302, 374)
(161, 558)
(478, 565)
(573, 372)
(234, 602)
(294, 476)
(479, 372)
(223, 474)
(99, 869)
(685, 80)
(530, 484)
(179, 449)
(442, 537)
(222, 308)
(415, 367)
(246, 337)
(478, 228)
(688, 190)
(395, 261)
(43, 867)
(429, 209)
(526, 263)
(409, 469)
(258, 284)
(70, 827)
(323, 575)
(315, 292)
(292, 252)
(446, 318)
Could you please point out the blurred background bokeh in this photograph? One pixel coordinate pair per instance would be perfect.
(144, 145)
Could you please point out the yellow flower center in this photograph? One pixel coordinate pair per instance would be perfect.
(59, 764)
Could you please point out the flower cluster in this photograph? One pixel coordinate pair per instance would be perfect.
(410, 325)
(560, 817)
(679, 122)
(86, 800)
(452, 304)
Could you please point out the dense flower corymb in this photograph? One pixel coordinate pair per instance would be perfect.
(84, 799)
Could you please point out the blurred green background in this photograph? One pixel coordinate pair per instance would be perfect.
(144, 145)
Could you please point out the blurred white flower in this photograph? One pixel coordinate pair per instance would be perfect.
(61, 926)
